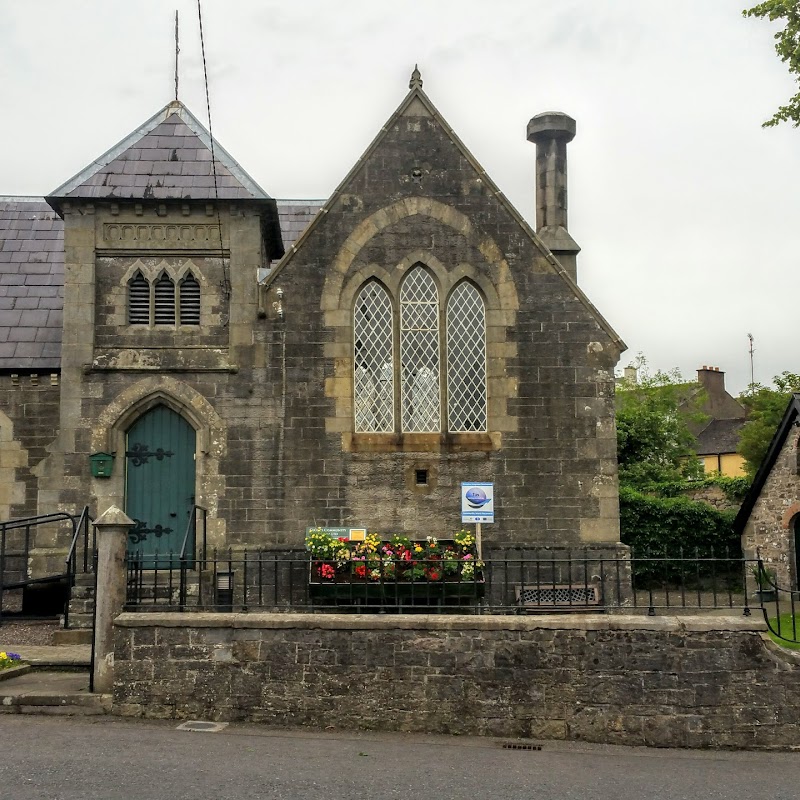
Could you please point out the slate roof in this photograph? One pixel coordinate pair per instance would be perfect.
(791, 418)
(719, 436)
(295, 216)
(31, 284)
(32, 276)
(166, 158)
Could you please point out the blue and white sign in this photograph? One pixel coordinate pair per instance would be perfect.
(477, 502)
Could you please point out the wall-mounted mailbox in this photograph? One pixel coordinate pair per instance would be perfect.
(101, 464)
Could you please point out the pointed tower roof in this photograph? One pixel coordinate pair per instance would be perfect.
(166, 158)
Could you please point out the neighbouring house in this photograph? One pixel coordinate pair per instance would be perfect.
(283, 364)
(718, 435)
(769, 519)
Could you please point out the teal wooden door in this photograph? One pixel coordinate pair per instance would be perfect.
(159, 485)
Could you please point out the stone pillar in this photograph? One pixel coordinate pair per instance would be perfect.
(551, 132)
(112, 538)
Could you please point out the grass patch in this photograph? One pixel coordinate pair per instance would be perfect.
(787, 631)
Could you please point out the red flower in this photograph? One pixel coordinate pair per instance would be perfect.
(327, 571)
(361, 571)
(433, 574)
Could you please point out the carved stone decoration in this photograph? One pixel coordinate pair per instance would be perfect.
(200, 236)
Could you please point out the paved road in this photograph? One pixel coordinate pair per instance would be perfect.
(64, 758)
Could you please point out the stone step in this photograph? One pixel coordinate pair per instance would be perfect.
(46, 692)
(81, 620)
(72, 636)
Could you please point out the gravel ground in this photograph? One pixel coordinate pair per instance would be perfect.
(39, 634)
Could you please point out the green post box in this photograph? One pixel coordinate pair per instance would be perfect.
(101, 464)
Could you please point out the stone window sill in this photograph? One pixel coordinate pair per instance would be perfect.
(421, 442)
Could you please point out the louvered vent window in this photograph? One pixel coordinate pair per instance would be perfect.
(165, 301)
(466, 360)
(138, 300)
(190, 301)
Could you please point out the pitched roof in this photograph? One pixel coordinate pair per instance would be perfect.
(166, 158)
(32, 276)
(791, 417)
(295, 216)
(719, 436)
(415, 100)
(31, 284)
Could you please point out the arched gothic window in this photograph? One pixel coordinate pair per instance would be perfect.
(375, 327)
(164, 301)
(138, 300)
(419, 353)
(189, 300)
(466, 360)
(373, 360)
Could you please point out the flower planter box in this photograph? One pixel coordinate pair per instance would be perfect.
(394, 572)
(14, 672)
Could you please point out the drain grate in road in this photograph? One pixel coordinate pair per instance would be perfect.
(205, 727)
(520, 746)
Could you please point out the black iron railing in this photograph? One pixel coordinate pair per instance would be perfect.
(81, 555)
(17, 538)
(507, 581)
(780, 606)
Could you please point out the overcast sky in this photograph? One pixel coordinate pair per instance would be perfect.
(688, 212)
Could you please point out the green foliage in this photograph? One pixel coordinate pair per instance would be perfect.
(654, 525)
(787, 46)
(734, 488)
(654, 444)
(765, 408)
(677, 527)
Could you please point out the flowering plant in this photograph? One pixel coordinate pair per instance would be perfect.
(397, 558)
(8, 660)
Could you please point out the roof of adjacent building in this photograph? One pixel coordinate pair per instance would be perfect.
(295, 216)
(791, 418)
(31, 284)
(166, 158)
(719, 436)
(32, 276)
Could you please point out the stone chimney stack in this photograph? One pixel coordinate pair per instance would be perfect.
(551, 132)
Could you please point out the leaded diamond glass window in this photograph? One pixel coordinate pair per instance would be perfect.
(419, 353)
(466, 360)
(373, 360)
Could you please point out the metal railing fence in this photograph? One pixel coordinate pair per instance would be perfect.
(508, 581)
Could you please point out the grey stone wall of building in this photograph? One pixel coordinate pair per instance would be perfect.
(550, 447)
(665, 682)
(770, 527)
(28, 426)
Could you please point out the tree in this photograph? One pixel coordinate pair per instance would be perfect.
(654, 444)
(765, 408)
(788, 48)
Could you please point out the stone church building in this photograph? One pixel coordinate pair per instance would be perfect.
(289, 364)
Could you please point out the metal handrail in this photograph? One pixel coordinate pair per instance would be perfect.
(191, 525)
(82, 524)
(71, 560)
(27, 523)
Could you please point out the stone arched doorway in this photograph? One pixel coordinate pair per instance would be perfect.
(160, 479)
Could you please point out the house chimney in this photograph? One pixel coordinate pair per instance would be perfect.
(713, 381)
(551, 132)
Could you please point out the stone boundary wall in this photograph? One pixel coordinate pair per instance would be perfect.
(714, 682)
